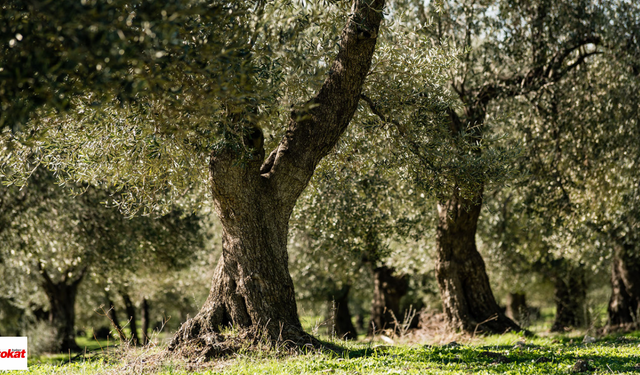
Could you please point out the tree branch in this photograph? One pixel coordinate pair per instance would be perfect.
(537, 77)
(413, 146)
(48, 282)
(378, 112)
(316, 125)
(558, 59)
(80, 276)
(579, 61)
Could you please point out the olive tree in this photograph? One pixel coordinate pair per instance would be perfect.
(189, 102)
(59, 240)
(356, 214)
(513, 49)
(575, 207)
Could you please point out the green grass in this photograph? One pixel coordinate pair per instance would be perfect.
(90, 346)
(540, 356)
(312, 323)
(550, 355)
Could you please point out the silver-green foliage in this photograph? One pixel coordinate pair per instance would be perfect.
(50, 235)
(163, 86)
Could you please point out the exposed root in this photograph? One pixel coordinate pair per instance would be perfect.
(497, 324)
(213, 352)
(618, 329)
(214, 345)
(433, 329)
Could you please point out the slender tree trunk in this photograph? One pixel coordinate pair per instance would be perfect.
(360, 321)
(112, 315)
(570, 295)
(145, 321)
(340, 323)
(252, 289)
(62, 315)
(624, 305)
(388, 290)
(517, 308)
(466, 294)
(131, 316)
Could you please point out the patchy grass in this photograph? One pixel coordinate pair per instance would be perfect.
(86, 368)
(505, 354)
(89, 345)
(494, 355)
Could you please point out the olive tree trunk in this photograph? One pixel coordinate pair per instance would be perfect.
(251, 288)
(62, 313)
(130, 309)
(340, 322)
(112, 315)
(460, 269)
(624, 305)
(144, 321)
(570, 295)
(388, 290)
(517, 308)
(466, 294)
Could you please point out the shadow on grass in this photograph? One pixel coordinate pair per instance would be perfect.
(501, 358)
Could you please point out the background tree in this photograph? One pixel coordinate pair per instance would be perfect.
(357, 212)
(61, 237)
(577, 194)
(160, 153)
(514, 49)
(163, 289)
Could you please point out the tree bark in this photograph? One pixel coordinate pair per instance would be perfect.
(130, 309)
(388, 289)
(12, 318)
(340, 323)
(62, 315)
(252, 289)
(112, 315)
(466, 294)
(570, 295)
(517, 309)
(624, 305)
(460, 269)
(145, 321)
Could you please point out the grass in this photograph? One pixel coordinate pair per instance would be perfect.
(505, 354)
(90, 345)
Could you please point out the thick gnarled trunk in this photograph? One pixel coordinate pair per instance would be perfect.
(570, 295)
(466, 294)
(340, 323)
(62, 313)
(388, 290)
(624, 304)
(251, 286)
(252, 289)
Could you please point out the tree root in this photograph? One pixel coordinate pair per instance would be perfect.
(227, 343)
(618, 329)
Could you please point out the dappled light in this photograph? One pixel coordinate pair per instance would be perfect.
(351, 187)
